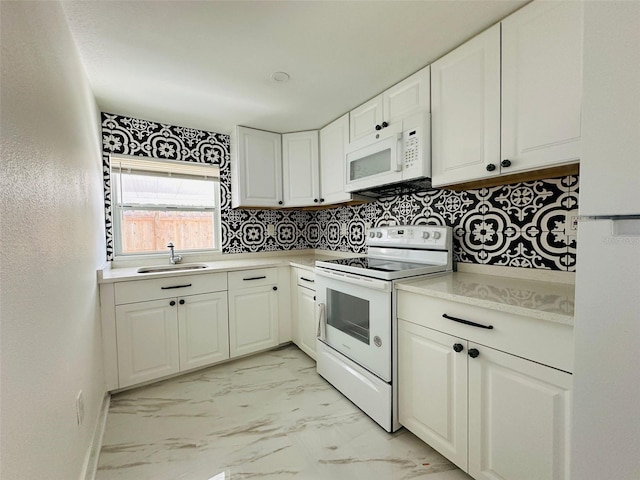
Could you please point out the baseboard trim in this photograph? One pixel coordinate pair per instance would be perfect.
(93, 453)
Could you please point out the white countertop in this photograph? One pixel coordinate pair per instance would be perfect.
(299, 260)
(533, 298)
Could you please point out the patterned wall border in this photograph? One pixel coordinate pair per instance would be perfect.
(521, 225)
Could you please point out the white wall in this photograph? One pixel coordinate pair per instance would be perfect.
(51, 243)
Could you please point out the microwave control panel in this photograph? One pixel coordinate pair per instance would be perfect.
(411, 148)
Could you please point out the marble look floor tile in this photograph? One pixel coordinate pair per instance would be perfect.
(269, 416)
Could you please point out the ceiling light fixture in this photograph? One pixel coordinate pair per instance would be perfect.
(280, 77)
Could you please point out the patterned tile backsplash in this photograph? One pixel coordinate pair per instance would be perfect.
(520, 225)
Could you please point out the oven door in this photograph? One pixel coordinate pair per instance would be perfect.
(355, 318)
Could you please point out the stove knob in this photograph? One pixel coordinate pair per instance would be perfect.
(425, 235)
(436, 235)
(379, 234)
(372, 234)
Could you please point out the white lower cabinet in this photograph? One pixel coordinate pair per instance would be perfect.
(518, 418)
(496, 415)
(162, 337)
(203, 328)
(253, 310)
(433, 401)
(304, 311)
(147, 339)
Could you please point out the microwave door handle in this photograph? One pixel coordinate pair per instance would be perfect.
(399, 152)
(322, 323)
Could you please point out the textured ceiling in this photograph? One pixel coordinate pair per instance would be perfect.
(208, 64)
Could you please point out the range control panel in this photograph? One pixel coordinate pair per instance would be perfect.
(410, 236)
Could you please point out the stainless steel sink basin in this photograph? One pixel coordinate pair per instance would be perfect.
(171, 268)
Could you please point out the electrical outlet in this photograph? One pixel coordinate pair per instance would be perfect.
(271, 230)
(343, 228)
(80, 408)
(571, 221)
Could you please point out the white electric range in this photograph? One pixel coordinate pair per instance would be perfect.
(356, 349)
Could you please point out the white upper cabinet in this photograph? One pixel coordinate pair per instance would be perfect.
(364, 119)
(490, 120)
(465, 110)
(541, 85)
(257, 169)
(300, 169)
(405, 98)
(334, 139)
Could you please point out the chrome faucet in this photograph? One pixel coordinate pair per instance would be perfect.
(173, 258)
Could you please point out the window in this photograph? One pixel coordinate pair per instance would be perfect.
(161, 201)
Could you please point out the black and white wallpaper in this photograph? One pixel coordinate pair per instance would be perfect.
(520, 225)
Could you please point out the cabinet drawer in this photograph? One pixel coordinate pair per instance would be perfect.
(253, 278)
(158, 288)
(306, 279)
(544, 342)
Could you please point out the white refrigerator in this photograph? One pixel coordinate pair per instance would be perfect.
(606, 400)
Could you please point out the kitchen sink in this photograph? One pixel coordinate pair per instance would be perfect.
(171, 268)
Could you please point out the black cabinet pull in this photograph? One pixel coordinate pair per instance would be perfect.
(467, 322)
(321, 200)
(385, 124)
(315, 200)
(505, 163)
(473, 352)
(458, 347)
(181, 302)
(307, 279)
(175, 286)
(254, 278)
(491, 167)
(275, 288)
(280, 202)
(378, 127)
(172, 303)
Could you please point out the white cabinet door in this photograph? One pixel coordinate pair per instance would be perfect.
(253, 319)
(203, 328)
(300, 169)
(257, 169)
(409, 96)
(541, 85)
(307, 318)
(432, 389)
(334, 139)
(518, 418)
(147, 338)
(465, 110)
(363, 119)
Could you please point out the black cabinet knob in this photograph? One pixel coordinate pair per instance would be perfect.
(378, 127)
(275, 288)
(385, 124)
(315, 200)
(280, 202)
(458, 347)
(491, 167)
(172, 303)
(473, 352)
(321, 200)
(181, 302)
(505, 163)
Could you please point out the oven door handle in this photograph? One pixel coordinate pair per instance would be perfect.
(321, 333)
(366, 282)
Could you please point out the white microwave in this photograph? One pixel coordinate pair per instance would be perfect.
(399, 153)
